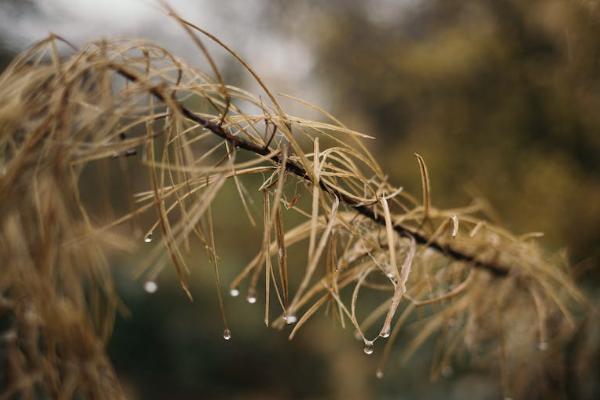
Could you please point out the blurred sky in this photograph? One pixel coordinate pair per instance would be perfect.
(280, 52)
(281, 57)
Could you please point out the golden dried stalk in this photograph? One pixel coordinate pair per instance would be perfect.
(61, 113)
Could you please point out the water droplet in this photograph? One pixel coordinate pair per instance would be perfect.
(543, 346)
(385, 334)
(251, 296)
(234, 292)
(148, 238)
(379, 374)
(150, 286)
(291, 319)
(454, 226)
(368, 347)
(226, 334)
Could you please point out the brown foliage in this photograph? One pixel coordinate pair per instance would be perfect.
(479, 288)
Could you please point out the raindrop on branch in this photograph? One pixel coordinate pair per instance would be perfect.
(150, 287)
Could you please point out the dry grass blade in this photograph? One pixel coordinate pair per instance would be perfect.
(425, 185)
(88, 108)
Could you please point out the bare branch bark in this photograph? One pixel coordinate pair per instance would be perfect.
(296, 169)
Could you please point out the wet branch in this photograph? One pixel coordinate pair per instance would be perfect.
(296, 169)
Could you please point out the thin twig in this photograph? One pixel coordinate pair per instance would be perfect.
(298, 170)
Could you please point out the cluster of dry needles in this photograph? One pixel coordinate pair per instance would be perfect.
(449, 274)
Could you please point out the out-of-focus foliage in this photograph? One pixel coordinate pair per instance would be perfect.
(505, 93)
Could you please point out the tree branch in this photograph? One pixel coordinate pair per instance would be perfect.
(296, 169)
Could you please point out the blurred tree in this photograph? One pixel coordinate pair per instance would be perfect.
(498, 95)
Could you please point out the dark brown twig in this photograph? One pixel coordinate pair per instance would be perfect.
(296, 169)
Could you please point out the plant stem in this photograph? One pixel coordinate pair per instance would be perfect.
(296, 169)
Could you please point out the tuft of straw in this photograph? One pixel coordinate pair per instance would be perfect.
(61, 112)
